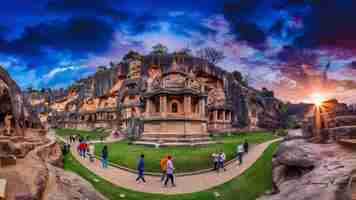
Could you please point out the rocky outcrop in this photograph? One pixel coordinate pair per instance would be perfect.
(67, 186)
(14, 104)
(28, 158)
(307, 171)
(240, 99)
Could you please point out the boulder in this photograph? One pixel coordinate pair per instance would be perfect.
(306, 171)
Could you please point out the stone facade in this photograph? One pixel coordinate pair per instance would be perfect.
(175, 107)
(125, 96)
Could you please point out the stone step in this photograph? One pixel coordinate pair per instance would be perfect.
(342, 131)
(3, 183)
(150, 139)
(347, 120)
(173, 144)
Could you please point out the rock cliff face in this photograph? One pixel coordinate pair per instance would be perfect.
(29, 160)
(245, 102)
(15, 110)
(307, 171)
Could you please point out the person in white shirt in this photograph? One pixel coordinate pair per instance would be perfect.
(91, 152)
(170, 171)
(221, 160)
(240, 151)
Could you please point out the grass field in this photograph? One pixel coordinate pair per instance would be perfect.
(185, 158)
(92, 135)
(250, 185)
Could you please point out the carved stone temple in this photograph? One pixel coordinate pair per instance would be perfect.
(170, 98)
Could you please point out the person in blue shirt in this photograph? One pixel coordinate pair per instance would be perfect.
(141, 169)
(104, 157)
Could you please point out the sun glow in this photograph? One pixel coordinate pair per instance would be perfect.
(317, 99)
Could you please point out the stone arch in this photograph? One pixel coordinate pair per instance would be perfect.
(174, 102)
(174, 108)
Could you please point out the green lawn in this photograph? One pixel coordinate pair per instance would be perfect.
(92, 135)
(250, 185)
(186, 159)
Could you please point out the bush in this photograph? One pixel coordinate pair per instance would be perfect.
(281, 132)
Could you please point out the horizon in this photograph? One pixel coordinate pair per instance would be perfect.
(294, 48)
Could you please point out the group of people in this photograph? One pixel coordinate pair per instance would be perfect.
(167, 169)
(166, 164)
(219, 158)
(86, 150)
(219, 161)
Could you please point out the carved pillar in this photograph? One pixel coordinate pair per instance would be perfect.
(187, 105)
(215, 115)
(148, 107)
(163, 105)
(223, 116)
(202, 108)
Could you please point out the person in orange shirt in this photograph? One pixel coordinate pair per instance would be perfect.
(163, 165)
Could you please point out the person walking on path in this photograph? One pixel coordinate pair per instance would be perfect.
(170, 172)
(104, 157)
(221, 160)
(240, 152)
(163, 164)
(91, 152)
(246, 146)
(215, 158)
(85, 149)
(81, 149)
(141, 169)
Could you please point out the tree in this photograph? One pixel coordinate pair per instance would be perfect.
(266, 93)
(239, 78)
(132, 55)
(101, 68)
(210, 54)
(159, 50)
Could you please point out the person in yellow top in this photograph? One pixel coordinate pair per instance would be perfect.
(163, 164)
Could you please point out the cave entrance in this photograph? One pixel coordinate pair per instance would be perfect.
(5, 106)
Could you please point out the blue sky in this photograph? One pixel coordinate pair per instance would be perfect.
(53, 43)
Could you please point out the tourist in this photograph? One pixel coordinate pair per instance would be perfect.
(163, 164)
(85, 149)
(65, 149)
(91, 152)
(240, 152)
(246, 146)
(215, 157)
(221, 161)
(141, 169)
(104, 157)
(81, 149)
(170, 171)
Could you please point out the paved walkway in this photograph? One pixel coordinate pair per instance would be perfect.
(185, 184)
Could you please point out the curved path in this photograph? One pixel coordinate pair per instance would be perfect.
(185, 184)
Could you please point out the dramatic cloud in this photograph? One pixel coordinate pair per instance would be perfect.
(295, 47)
(86, 7)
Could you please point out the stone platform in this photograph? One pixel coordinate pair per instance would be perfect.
(174, 140)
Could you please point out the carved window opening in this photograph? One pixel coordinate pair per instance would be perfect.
(174, 107)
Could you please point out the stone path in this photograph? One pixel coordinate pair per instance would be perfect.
(185, 184)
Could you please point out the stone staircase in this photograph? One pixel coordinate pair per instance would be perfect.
(341, 127)
(174, 140)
